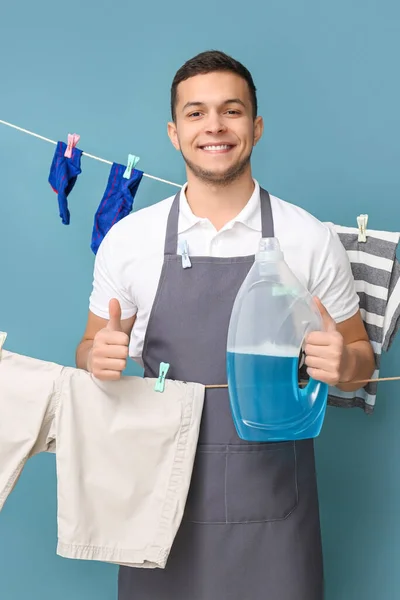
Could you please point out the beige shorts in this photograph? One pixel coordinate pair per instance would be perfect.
(124, 455)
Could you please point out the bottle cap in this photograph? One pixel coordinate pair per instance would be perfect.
(269, 250)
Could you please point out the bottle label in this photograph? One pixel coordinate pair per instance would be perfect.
(282, 290)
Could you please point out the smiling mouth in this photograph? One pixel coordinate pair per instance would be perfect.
(217, 148)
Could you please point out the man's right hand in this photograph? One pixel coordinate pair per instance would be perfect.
(108, 355)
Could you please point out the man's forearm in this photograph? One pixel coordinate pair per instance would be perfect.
(82, 354)
(358, 363)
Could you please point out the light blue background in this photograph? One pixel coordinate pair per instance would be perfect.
(328, 81)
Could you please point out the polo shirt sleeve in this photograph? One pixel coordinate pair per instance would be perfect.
(332, 278)
(108, 280)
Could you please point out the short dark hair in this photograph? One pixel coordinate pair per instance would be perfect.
(209, 62)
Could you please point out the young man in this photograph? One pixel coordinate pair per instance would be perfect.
(251, 525)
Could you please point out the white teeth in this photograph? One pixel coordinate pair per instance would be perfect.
(220, 147)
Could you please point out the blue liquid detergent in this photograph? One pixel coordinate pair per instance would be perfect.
(266, 401)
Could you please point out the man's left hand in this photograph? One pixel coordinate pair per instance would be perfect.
(324, 350)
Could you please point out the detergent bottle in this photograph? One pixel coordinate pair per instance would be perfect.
(271, 315)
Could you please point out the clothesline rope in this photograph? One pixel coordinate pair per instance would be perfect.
(303, 382)
(103, 160)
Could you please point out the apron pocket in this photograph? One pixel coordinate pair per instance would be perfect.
(261, 482)
(206, 498)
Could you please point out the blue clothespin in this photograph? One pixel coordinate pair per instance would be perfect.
(132, 162)
(184, 250)
(160, 383)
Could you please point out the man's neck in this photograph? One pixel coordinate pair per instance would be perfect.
(219, 204)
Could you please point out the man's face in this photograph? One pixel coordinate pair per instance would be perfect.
(214, 126)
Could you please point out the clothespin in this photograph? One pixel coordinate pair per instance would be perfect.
(132, 162)
(184, 250)
(362, 221)
(3, 337)
(160, 383)
(73, 139)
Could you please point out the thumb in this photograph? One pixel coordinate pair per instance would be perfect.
(327, 321)
(114, 309)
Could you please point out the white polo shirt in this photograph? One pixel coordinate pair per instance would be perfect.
(129, 261)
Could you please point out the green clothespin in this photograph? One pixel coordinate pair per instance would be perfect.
(160, 383)
(132, 162)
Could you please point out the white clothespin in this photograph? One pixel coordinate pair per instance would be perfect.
(3, 337)
(362, 221)
(184, 250)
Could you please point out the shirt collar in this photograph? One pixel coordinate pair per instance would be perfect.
(250, 215)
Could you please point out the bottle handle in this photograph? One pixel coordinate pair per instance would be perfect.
(310, 392)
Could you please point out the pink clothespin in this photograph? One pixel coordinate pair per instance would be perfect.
(73, 139)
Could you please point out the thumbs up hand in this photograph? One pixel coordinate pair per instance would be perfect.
(324, 350)
(109, 353)
(114, 311)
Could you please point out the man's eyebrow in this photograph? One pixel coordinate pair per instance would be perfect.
(190, 104)
(198, 103)
(235, 101)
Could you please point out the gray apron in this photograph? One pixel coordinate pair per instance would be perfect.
(251, 527)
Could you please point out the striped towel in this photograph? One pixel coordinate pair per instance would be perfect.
(376, 271)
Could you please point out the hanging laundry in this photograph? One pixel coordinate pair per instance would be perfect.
(376, 272)
(116, 203)
(64, 172)
(124, 454)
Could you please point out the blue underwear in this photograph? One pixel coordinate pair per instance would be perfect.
(116, 203)
(63, 175)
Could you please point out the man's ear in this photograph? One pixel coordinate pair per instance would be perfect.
(173, 135)
(258, 129)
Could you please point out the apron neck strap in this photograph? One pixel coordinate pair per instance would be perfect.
(171, 237)
(267, 221)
